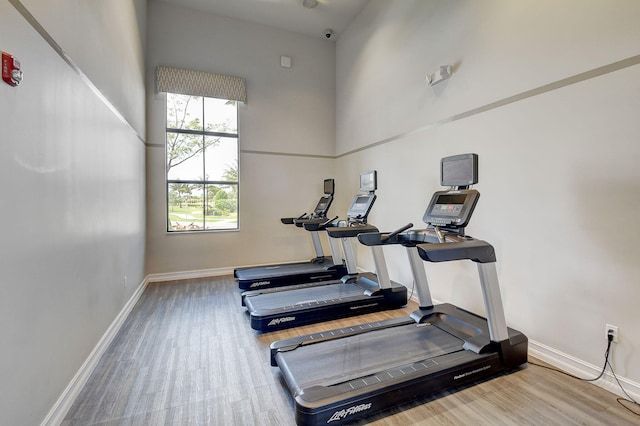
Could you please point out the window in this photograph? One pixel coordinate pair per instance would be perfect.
(201, 163)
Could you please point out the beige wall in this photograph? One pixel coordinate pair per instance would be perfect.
(545, 92)
(556, 134)
(286, 130)
(557, 137)
(73, 197)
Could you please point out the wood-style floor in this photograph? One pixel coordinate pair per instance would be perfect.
(187, 355)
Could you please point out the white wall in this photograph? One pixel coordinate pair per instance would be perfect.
(73, 198)
(286, 130)
(559, 166)
(557, 155)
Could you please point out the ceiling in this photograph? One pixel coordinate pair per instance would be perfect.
(288, 15)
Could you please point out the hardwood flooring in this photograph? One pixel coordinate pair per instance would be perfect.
(187, 355)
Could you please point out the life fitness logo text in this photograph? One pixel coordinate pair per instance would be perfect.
(343, 414)
(278, 321)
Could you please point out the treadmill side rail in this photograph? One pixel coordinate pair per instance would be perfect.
(334, 247)
(381, 267)
(493, 302)
(420, 276)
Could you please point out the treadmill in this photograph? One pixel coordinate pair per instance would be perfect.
(317, 269)
(342, 375)
(353, 294)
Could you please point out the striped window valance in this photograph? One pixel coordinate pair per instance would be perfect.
(200, 83)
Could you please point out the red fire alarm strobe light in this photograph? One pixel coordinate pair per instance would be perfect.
(11, 73)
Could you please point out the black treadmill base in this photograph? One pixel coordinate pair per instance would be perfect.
(359, 388)
(310, 272)
(277, 311)
(253, 293)
(368, 403)
(298, 318)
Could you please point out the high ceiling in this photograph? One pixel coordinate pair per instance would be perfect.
(289, 15)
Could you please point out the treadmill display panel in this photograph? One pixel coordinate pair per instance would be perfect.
(451, 209)
(368, 181)
(323, 206)
(459, 170)
(329, 186)
(360, 207)
(449, 205)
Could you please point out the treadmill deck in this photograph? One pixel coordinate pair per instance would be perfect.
(348, 373)
(302, 298)
(361, 356)
(273, 271)
(329, 300)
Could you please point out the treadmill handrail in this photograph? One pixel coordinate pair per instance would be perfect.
(411, 238)
(397, 231)
(318, 225)
(478, 251)
(350, 231)
(382, 238)
(300, 222)
(291, 220)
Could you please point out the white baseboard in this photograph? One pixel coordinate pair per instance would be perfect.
(65, 401)
(583, 369)
(577, 367)
(538, 350)
(204, 273)
(185, 275)
(59, 410)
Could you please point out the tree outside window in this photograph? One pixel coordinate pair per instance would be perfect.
(201, 163)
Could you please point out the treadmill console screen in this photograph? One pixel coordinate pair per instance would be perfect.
(323, 206)
(451, 209)
(329, 186)
(459, 170)
(368, 181)
(449, 205)
(360, 207)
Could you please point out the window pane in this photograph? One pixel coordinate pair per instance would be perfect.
(193, 159)
(186, 211)
(222, 207)
(221, 159)
(185, 207)
(184, 112)
(220, 115)
(184, 157)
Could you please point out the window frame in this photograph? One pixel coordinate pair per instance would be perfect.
(204, 182)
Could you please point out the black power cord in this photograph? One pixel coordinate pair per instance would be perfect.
(604, 367)
(413, 286)
(628, 397)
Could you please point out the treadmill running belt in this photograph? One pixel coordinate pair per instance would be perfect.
(345, 359)
(305, 297)
(284, 269)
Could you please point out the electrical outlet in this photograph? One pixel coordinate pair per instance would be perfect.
(613, 329)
